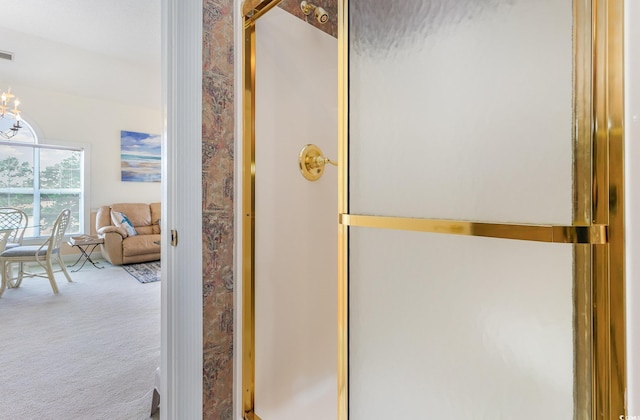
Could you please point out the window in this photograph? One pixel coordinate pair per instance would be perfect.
(41, 180)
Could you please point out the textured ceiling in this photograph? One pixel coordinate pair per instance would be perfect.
(126, 29)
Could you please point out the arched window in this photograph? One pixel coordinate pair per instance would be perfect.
(25, 135)
(41, 179)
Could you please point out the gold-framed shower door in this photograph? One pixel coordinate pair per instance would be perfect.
(597, 231)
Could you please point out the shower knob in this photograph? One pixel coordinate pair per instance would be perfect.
(312, 162)
(306, 7)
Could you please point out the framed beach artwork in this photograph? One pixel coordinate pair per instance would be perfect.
(140, 157)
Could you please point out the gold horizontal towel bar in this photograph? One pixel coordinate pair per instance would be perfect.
(594, 234)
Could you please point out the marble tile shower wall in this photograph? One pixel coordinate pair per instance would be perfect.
(217, 201)
(217, 207)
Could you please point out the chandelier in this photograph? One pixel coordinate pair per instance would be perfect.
(5, 99)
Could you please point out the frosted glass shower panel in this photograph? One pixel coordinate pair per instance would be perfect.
(456, 327)
(461, 109)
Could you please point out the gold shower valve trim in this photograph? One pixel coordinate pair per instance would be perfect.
(594, 234)
(312, 162)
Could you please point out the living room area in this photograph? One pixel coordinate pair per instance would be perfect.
(88, 81)
(89, 352)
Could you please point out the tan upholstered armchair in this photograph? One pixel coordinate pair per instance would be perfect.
(122, 247)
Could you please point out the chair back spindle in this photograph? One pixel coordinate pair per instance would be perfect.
(59, 229)
(16, 220)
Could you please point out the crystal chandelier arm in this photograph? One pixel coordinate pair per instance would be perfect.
(5, 99)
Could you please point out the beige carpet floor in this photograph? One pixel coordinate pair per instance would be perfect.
(89, 352)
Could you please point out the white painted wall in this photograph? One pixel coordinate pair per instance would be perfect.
(41, 63)
(61, 117)
(74, 96)
(632, 136)
(296, 222)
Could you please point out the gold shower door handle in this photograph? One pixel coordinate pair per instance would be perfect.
(312, 162)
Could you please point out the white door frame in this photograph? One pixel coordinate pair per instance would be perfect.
(237, 213)
(181, 343)
(181, 347)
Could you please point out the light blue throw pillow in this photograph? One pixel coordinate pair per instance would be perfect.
(120, 219)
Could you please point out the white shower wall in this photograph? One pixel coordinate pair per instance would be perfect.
(296, 225)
